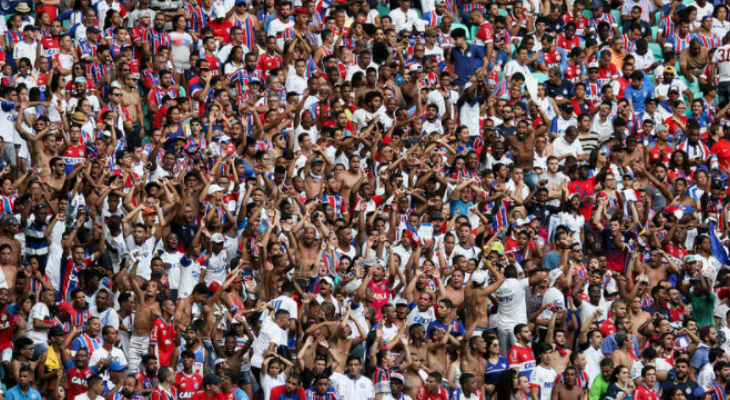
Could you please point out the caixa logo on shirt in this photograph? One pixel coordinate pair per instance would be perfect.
(78, 380)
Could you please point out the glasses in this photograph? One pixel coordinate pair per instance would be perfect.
(117, 94)
(610, 180)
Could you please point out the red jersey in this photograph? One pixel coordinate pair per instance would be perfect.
(162, 394)
(424, 394)
(722, 150)
(573, 73)
(521, 358)
(163, 338)
(676, 252)
(605, 75)
(586, 189)
(6, 329)
(222, 30)
(674, 127)
(266, 63)
(607, 327)
(188, 385)
(49, 46)
(77, 381)
(676, 315)
(553, 58)
(202, 396)
(484, 35)
(655, 153)
(567, 44)
(644, 393)
(381, 296)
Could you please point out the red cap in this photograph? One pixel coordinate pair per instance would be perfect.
(66, 306)
(238, 278)
(148, 211)
(214, 286)
(299, 10)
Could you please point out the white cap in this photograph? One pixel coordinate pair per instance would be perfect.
(479, 277)
(220, 12)
(217, 238)
(554, 275)
(440, 2)
(215, 188)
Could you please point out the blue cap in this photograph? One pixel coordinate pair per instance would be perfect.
(700, 391)
(596, 4)
(240, 2)
(116, 366)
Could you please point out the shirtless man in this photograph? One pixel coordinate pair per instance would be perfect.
(146, 313)
(679, 197)
(351, 177)
(567, 390)
(132, 102)
(656, 270)
(622, 355)
(472, 352)
(522, 146)
(8, 267)
(455, 289)
(637, 316)
(7, 236)
(314, 171)
(634, 151)
(307, 248)
(477, 295)
(42, 145)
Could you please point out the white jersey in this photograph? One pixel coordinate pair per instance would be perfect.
(361, 388)
(722, 59)
(544, 378)
(512, 305)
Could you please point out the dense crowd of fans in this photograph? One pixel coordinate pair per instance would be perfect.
(364, 200)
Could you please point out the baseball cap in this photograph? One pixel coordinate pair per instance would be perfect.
(215, 188)
(690, 258)
(669, 70)
(40, 206)
(116, 366)
(11, 221)
(437, 216)
(430, 32)
(479, 277)
(212, 379)
(415, 67)
(56, 331)
(220, 12)
(299, 10)
(148, 211)
(214, 286)
(397, 376)
(93, 29)
(596, 4)
(554, 275)
(217, 238)
(440, 2)
(567, 107)
(66, 306)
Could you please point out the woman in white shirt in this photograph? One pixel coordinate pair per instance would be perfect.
(720, 23)
(572, 218)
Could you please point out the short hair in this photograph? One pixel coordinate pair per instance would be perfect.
(646, 370)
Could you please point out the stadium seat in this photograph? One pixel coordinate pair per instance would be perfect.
(588, 14)
(540, 77)
(456, 25)
(383, 11)
(503, 12)
(418, 11)
(657, 50)
(474, 30)
(654, 30)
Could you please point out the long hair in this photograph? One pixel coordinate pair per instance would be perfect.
(505, 386)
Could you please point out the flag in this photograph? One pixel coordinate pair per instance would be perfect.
(717, 248)
(500, 219)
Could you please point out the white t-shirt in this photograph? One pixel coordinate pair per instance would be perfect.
(270, 333)
(545, 379)
(101, 354)
(552, 296)
(38, 335)
(285, 302)
(216, 268)
(722, 59)
(361, 388)
(562, 147)
(275, 27)
(145, 256)
(361, 117)
(269, 382)
(512, 305)
(403, 20)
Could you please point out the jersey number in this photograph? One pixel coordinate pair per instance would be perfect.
(723, 55)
